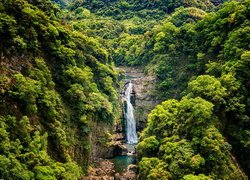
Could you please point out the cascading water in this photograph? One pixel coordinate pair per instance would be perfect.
(129, 116)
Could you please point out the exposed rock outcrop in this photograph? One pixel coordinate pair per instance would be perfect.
(132, 168)
(120, 149)
(129, 174)
(104, 170)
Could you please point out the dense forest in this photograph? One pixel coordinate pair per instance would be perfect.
(55, 84)
(59, 84)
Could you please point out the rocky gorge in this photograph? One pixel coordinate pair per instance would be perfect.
(144, 99)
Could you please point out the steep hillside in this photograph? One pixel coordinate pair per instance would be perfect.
(56, 84)
(125, 9)
(206, 66)
(128, 38)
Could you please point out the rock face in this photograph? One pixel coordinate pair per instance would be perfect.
(145, 95)
(101, 138)
(120, 149)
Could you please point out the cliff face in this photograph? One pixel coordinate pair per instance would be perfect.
(101, 138)
(145, 94)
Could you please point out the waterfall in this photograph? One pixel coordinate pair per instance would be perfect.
(129, 116)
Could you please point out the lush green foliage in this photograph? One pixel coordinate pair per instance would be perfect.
(187, 143)
(54, 83)
(207, 59)
(126, 9)
(57, 79)
(24, 153)
(125, 27)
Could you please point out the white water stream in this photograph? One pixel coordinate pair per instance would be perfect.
(130, 119)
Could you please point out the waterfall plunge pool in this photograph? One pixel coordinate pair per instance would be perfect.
(121, 162)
